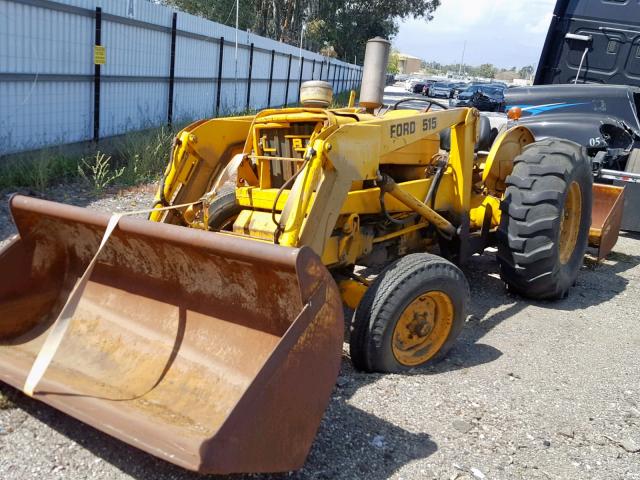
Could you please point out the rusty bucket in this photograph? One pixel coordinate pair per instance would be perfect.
(606, 217)
(216, 353)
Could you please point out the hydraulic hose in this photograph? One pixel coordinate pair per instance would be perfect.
(429, 199)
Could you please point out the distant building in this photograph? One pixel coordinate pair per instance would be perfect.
(408, 64)
(508, 76)
(522, 82)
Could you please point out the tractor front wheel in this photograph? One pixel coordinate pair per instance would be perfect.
(223, 210)
(410, 315)
(546, 215)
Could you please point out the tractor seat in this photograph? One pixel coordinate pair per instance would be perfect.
(487, 136)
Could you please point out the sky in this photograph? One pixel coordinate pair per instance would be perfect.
(506, 33)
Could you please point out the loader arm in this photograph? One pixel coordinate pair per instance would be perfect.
(351, 153)
(198, 155)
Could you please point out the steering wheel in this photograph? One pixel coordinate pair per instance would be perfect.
(418, 99)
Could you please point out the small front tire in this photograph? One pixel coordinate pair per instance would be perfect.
(410, 316)
(223, 210)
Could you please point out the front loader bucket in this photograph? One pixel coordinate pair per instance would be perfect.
(216, 353)
(606, 216)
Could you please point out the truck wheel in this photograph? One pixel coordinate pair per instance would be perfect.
(410, 315)
(546, 215)
(224, 210)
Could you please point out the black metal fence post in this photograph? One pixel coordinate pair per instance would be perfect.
(345, 71)
(345, 78)
(220, 54)
(300, 77)
(333, 82)
(286, 92)
(273, 57)
(172, 68)
(313, 69)
(321, 68)
(250, 75)
(96, 78)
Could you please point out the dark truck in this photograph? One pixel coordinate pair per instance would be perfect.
(587, 89)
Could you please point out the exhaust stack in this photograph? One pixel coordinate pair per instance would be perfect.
(374, 76)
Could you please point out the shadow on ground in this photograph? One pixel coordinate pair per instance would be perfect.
(492, 304)
(344, 446)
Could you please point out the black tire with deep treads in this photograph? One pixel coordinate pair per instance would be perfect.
(223, 208)
(532, 209)
(393, 290)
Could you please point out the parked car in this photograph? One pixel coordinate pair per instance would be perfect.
(464, 96)
(486, 98)
(410, 82)
(458, 87)
(427, 86)
(440, 89)
(418, 87)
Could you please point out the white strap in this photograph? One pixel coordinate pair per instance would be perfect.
(57, 331)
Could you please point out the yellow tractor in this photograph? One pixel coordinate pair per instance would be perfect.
(211, 335)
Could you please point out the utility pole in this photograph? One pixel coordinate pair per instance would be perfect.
(464, 47)
(301, 38)
(235, 85)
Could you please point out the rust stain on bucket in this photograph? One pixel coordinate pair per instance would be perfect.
(180, 345)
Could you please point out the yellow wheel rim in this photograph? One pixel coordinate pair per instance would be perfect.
(422, 328)
(570, 222)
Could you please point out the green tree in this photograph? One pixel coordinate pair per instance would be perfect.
(487, 70)
(221, 11)
(341, 25)
(394, 62)
(526, 72)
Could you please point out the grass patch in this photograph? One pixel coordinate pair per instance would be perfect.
(5, 402)
(342, 99)
(98, 172)
(38, 171)
(143, 155)
(132, 159)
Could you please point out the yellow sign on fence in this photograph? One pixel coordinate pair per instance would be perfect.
(99, 55)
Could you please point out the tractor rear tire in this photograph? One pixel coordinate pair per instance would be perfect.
(410, 316)
(546, 216)
(223, 210)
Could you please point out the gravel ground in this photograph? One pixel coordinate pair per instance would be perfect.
(531, 390)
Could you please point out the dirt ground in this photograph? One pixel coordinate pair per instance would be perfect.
(532, 390)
